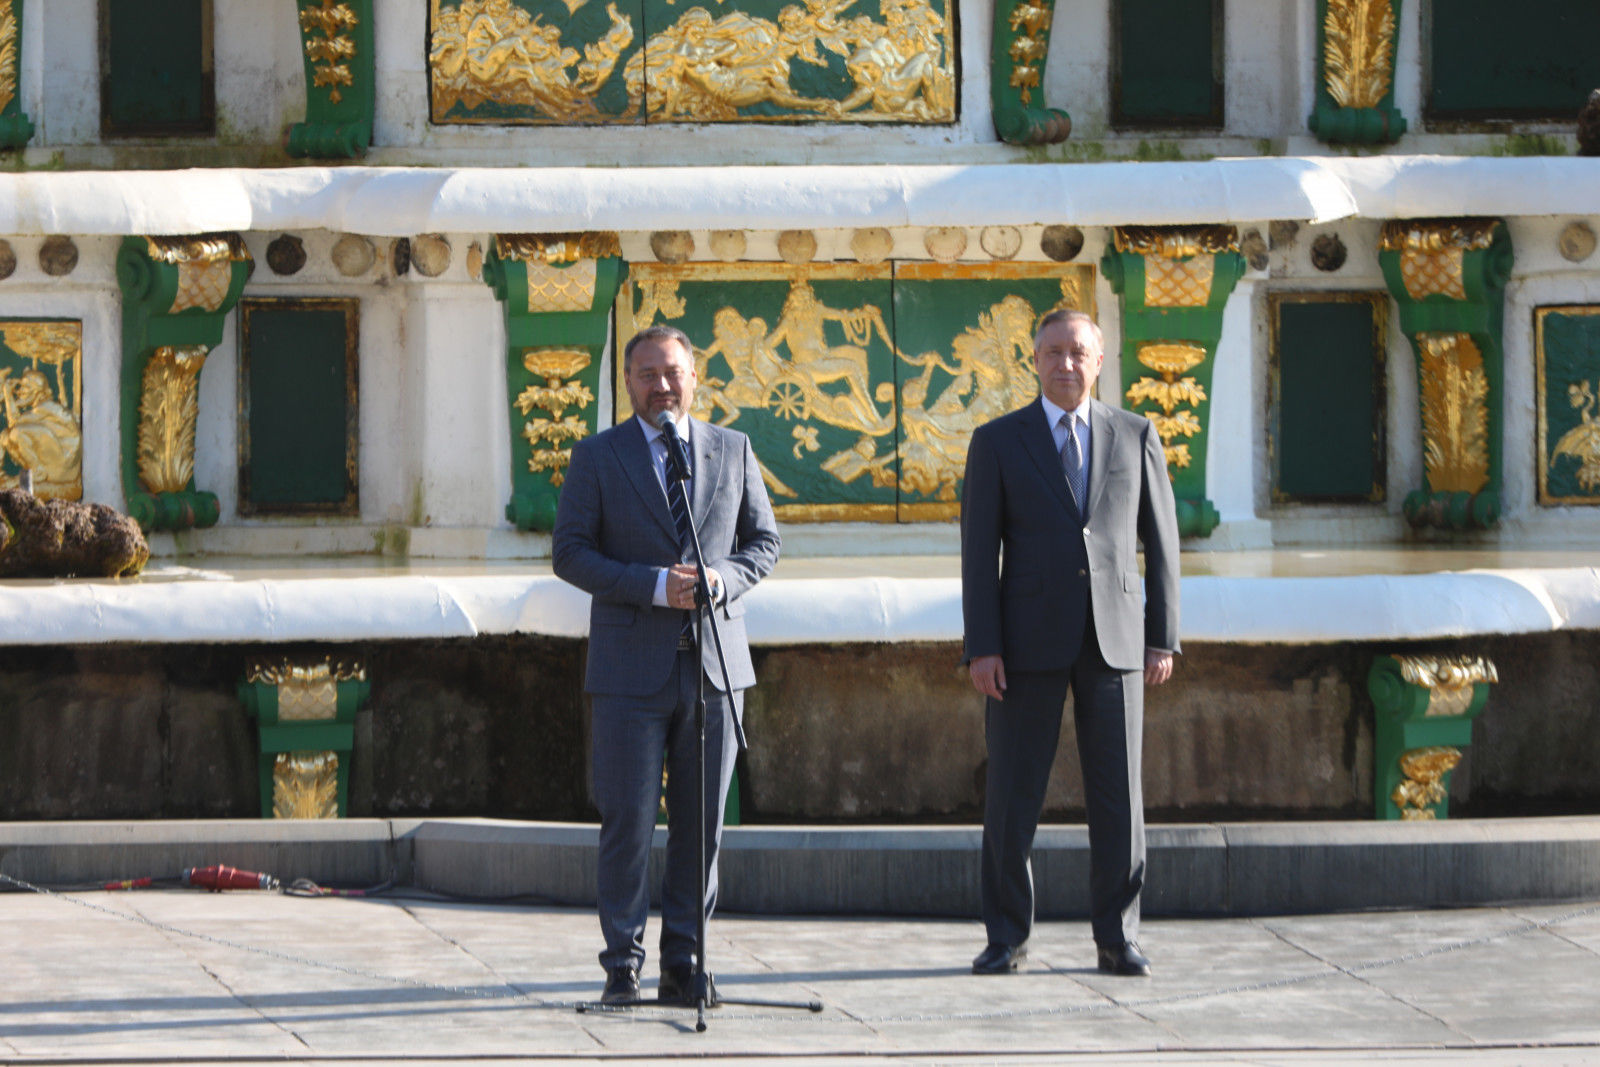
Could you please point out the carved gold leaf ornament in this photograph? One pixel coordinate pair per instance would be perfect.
(1455, 412)
(556, 248)
(333, 21)
(8, 56)
(1582, 442)
(210, 247)
(305, 785)
(1032, 22)
(168, 407)
(554, 364)
(1435, 235)
(1171, 359)
(1423, 785)
(1175, 242)
(1448, 679)
(1177, 456)
(1358, 51)
(286, 672)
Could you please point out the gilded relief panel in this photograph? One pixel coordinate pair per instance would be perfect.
(576, 61)
(802, 359)
(41, 406)
(1568, 355)
(964, 337)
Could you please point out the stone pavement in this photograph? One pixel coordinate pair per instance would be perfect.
(159, 976)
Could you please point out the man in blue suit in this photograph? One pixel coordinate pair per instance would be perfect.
(620, 535)
(1057, 499)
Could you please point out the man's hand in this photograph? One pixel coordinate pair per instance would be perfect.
(681, 586)
(1157, 666)
(988, 676)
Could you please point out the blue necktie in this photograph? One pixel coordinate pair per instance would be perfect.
(1072, 465)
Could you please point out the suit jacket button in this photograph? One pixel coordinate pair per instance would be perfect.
(1083, 574)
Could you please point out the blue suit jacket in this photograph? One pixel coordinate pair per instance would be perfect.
(614, 531)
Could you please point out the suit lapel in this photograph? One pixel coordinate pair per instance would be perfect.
(634, 456)
(1102, 444)
(706, 449)
(1040, 445)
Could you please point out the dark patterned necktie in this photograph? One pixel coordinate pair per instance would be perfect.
(1072, 465)
(680, 512)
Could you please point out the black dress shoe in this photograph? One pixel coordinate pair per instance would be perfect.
(622, 985)
(677, 986)
(1000, 959)
(1124, 959)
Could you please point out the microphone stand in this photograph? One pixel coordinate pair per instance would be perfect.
(703, 995)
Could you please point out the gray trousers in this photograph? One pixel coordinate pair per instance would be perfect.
(631, 734)
(1022, 732)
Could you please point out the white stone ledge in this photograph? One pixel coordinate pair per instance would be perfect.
(869, 601)
(396, 201)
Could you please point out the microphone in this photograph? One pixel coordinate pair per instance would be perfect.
(677, 453)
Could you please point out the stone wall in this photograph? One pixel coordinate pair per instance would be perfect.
(858, 733)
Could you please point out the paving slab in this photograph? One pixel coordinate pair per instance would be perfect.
(184, 976)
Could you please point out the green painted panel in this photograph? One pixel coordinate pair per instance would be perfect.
(158, 74)
(1535, 59)
(802, 360)
(298, 406)
(41, 405)
(1328, 414)
(1167, 63)
(1569, 405)
(965, 357)
(580, 61)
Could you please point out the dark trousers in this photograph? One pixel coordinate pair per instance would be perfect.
(630, 735)
(1022, 732)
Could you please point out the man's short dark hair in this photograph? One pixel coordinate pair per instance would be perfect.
(657, 333)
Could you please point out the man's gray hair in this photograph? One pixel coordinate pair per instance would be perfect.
(657, 333)
(1069, 315)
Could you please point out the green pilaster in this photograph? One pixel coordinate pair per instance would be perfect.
(176, 294)
(557, 291)
(337, 47)
(1355, 84)
(1424, 707)
(1174, 283)
(15, 127)
(1448, 277)
(305, 713)
(1016, 74)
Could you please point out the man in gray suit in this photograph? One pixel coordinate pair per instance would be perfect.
(1058, 497)
(621, 536)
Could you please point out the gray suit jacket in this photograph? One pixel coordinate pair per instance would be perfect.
(1031, 608)
(614, 531)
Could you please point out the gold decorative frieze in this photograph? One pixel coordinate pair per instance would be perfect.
(556, 248)
(41, 406)
(305, 785)
(1176, 242)
(197, 249)
(1455, 412)
(1358, 56)
(284, 672)
(169, 404)
(1423, 785)
(331, 53)
(1448, 679)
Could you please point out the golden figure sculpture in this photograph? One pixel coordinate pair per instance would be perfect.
(1455, 413)
(1582, 442)
(486, 50)
(41, 428)
(1359, 51)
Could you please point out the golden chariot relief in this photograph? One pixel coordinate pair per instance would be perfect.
(41, 406)
(1455, 412)
(558, 61)
(860, 391)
